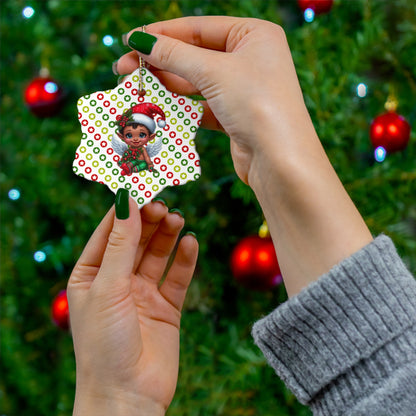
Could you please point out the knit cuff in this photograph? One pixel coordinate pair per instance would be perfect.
(361, 305)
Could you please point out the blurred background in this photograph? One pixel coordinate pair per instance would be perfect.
(352, 57)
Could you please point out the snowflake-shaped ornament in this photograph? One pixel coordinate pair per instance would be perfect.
(140, 143)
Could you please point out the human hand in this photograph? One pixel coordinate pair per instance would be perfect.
(125, 324)
(244, 69)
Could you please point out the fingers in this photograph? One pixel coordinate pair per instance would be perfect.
(151, 215)
(120, 253)
(159, 248)
(210, 32)
(181, 271)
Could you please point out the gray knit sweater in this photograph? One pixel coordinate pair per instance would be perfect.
(346, 345)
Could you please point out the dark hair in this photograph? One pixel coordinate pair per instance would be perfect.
(134, 125)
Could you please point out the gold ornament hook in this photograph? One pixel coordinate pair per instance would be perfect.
(142, 91)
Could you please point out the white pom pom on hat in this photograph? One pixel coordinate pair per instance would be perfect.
(144, 113)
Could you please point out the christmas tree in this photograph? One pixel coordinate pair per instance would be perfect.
(350, 60)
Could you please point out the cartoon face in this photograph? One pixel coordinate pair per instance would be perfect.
(136, 136)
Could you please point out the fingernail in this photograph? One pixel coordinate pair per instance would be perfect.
(177, 211)
(191, 233)
(122, 204)
(114, 68)
(161, 200)
(121, 78)
(142, 42)
(124, 39)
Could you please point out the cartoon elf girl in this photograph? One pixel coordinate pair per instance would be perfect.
(136, 127)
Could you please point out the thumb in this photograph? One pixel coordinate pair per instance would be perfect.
(123, 240)
(168, 54)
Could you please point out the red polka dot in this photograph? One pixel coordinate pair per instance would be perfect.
(169, 175)
(172, 134)
(113, 110)
(82, 162)
(181, 101)
(194, 116)
(163, 168)
(106, 103)
(176, 182)
(110, 151)
(148, 194)
(100, 96)
(178, 142)
(97, 136)
(191, 156)
(156, 160)
(103, 144)
(141, 187)
(88, 170)
(135, 179)
(91, 129)
(94, 177)
(185, 148)
(84, 122)
(188, 108)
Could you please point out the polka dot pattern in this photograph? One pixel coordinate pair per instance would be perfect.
(175, 164)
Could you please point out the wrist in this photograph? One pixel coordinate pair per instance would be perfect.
(115, 404)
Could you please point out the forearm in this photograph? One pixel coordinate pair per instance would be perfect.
(312, 220)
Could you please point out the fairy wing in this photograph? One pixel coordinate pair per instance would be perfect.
(118, 145)
(154, 148)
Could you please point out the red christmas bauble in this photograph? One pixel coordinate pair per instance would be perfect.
(44, 97)
(254, 263)
(318, 6)
(60, 310)
(390, 131)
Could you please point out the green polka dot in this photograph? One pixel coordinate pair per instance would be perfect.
(128, 185)
(184, 175)
(115, 171)
(163, 154)
(101, 171)
(96, 150)
(171, 161)
(85, 109)
(89, 156)
(120, 90)
(114, 185)
(140, 200)
(177, 168)
(95, 163)
(107, 178)
(134, 193)
(155, 188)
(98, 123)
(103, 157)
(108, 164)
(162, 181)
(82, 149)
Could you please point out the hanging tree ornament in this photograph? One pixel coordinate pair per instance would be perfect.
(138, 136)
(316, 6)
(60, 310)
(43, 95)
(254, 263)
(390, 131)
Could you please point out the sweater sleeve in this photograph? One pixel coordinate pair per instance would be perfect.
(346, 345)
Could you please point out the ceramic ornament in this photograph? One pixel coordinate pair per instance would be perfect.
(142, 142)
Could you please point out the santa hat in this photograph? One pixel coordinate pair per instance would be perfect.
(144, 113)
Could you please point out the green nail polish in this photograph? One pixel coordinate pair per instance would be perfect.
(159, 199)
(142, 42)
(191, 233)
(122, 204)
(114, 67)
(177, 211)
